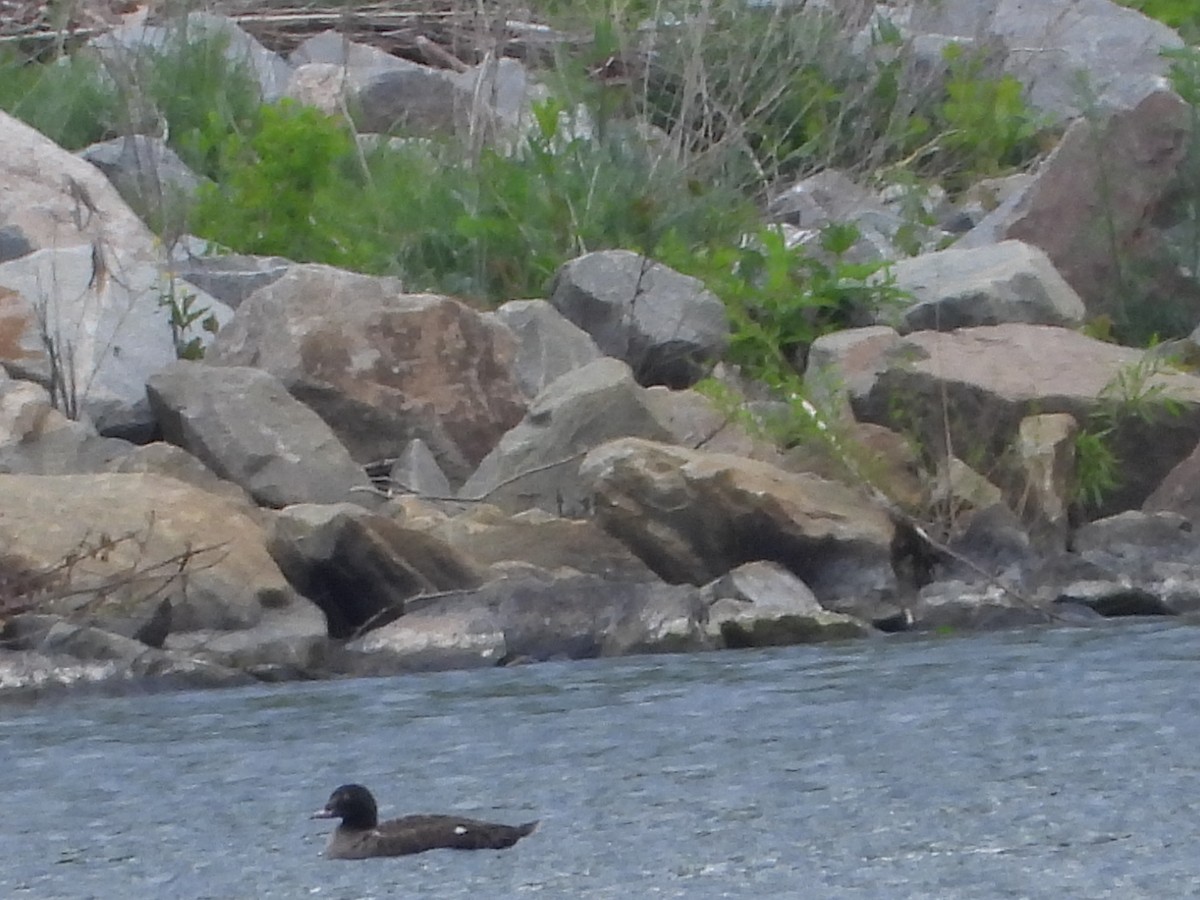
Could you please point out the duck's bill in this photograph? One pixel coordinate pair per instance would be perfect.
(322, 814)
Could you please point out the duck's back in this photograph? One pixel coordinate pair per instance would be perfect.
(416, 834)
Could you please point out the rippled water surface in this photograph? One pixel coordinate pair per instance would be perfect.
(1047, 764)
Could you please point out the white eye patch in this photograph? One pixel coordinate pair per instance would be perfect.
(460, 829)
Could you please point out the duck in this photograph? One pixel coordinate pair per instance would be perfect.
(362, 836)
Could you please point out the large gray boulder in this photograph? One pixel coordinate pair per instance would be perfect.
(245, 426)
(762, 604)
(54, 199)
(549, 345)
(46, 651)
(230, 277)
(1069, 55)
(990, 285)
(381, 367)
(490, 537)
(533, 616)
(82, 304)
(536, 463)
(122, 47)
(668, 327)
(1096, 207)
(150, 176)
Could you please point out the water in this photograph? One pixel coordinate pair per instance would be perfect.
(1043, 764)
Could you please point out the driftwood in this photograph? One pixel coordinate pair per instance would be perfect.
(442, 33)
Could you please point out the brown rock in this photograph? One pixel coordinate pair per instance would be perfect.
(693, 516)
(381, 367)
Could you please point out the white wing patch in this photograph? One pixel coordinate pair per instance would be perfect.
(460, 829)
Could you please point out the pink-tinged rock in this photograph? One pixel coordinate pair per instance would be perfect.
(381, 367)
(1093, 205)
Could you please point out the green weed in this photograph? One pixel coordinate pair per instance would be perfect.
(1133, 393)
(68, 100)
(780, 299)
(1182, 15)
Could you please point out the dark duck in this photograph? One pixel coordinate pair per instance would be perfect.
(361, 835)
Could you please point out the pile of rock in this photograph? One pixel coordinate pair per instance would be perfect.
(361, 479)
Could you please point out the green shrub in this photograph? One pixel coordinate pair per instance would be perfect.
(201, 94)
(492, 228)
(1182, 15)
(69, 100)
(281, 188)
(985, 125)
(780, 299)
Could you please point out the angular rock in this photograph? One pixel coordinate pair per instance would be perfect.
(52, 199)
(1113, 598)
(1095, 208)
(822, 199)
(52, 637)
(231, 277)
(151, 178)
(668, 327)
(1135, 563)
(1179, 491)
(244, 425)
(104, 314)
(39, 440)
(13, 243)
(322, 86)
(361, 568)
(416, 471)
(491, 98)
(973, 606)
(977, 384)
(694, 420)
(991, 544)
(546, 616)
(270, 70)
(161, 458)
(379, 366)
(693, 516)
(845, 364)
(332, 47)
(1044, 480)
(762, 604)
(861, 452)
(31, 674)
(229, 603)
(991, 285)
(536, 463)
(426, 641)
(548, 346)
(1053, 48)
(1134, 543)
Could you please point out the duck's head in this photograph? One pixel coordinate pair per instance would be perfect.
(353, 804)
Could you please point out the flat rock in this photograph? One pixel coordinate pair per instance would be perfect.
(975, 385)
(991, 285)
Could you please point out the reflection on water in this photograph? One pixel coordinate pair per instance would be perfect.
(1041, 764)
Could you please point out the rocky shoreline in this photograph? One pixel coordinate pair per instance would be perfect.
(358, 480)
